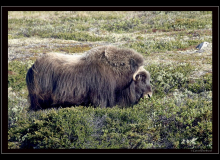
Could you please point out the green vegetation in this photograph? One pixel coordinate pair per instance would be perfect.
(74, 49)
(205, 83)
(16, 74)
(150, 124)
(178, 116)
(166, 79)
(162, 46)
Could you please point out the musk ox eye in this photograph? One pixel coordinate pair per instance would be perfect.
(122, 64)
(140, 77)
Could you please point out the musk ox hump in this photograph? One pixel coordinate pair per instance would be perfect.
(122, 54)
(121, 60)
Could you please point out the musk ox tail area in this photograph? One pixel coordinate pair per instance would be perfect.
(36, 97)
(32, 90)
(104, 76)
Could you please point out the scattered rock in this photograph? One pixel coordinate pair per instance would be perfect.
(201, 48)
(202, 45)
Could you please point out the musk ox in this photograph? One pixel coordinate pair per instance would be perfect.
(103, 76)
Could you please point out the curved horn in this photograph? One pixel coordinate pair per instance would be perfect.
(140, 69)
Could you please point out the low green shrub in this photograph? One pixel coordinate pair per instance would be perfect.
(17, 73)
(68, 35)
(202, 84)
(17, 105)
(166, 78)
(121, 25)
(78, 36)
(150, 124)
(188, 23)
(152, 46)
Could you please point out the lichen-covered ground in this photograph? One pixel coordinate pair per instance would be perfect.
(178, 116)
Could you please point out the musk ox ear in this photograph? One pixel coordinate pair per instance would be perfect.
(133, 65)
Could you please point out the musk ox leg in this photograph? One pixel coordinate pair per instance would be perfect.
(34, 102)
(31, 89)
(38, 102)
(99, 99)
(31, 85)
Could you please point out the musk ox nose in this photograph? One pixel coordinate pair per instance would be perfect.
(149, 94)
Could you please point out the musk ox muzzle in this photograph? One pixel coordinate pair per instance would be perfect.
(103, 76)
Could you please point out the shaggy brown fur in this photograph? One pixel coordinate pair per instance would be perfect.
(104, 76)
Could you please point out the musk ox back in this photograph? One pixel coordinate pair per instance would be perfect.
(104, 76)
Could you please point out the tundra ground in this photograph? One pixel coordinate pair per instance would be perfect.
(178, 116)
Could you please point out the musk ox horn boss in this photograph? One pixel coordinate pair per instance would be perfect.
(103, 76)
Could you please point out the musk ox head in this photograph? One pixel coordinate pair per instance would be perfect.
(142, 80)
(104, 76)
